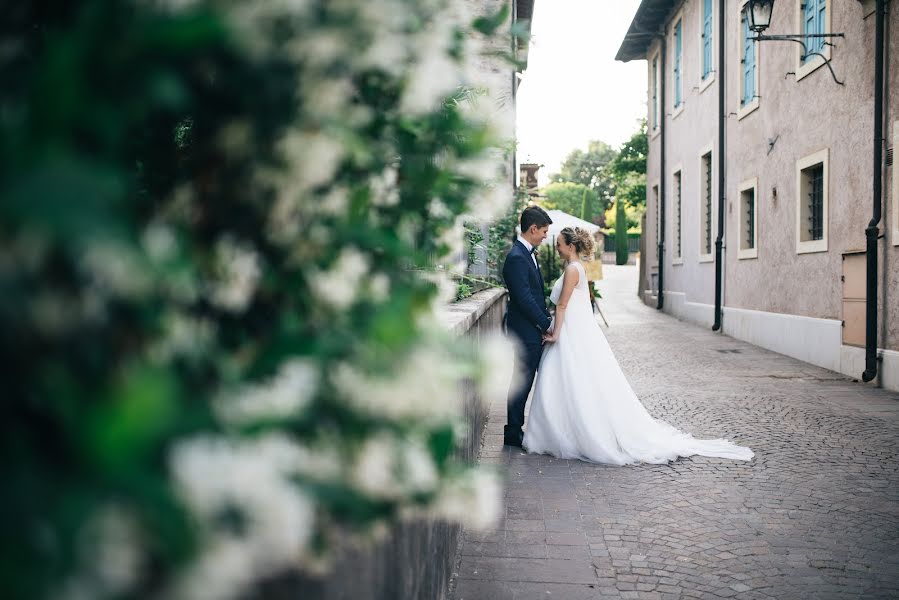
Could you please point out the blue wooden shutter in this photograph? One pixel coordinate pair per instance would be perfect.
(748, 64)
(822, 9)
(655, 93)
(810, 24)
(706, 38)
(678, 47)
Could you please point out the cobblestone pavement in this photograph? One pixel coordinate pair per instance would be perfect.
(815, 515)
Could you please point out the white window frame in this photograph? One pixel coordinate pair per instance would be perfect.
(815, 63)
(710, 79)
(747, 109)
(705, 258)
(748, 184)
(660, 110)
(677, 110)
(655, 190)
(895, 177)
(677, 259)
(806, 247)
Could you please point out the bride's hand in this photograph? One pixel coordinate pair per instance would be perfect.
(550, 337)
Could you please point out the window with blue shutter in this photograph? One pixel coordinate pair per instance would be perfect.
(748, 62)
(655, 94)
(813, 15)
(678, 62)
(706, 38)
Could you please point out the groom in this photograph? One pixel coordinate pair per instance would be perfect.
(526, 317)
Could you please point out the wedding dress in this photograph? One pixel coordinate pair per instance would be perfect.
(584, 408)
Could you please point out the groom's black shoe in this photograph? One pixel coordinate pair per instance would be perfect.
(513, 438)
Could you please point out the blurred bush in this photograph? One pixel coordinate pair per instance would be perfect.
(218, 341)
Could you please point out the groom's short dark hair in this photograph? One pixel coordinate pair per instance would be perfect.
(534, 215)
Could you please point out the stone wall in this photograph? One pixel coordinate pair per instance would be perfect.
(416, 560)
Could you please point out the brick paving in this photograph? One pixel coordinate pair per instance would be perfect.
(814, 516)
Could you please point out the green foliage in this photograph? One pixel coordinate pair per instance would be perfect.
(502, 235)
(571, 198)
(621, 251)
(214, 232)
(629, 169)
(591, 169)
(633, 215)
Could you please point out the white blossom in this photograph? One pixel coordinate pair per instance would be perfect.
(159, 242)
(374, 472)
(114, 268)
(238, 272)
(379, 287)
(383, 188)
(435, 74)
(425, 387)
(496, 357)
(286, 395)
(313, 157)
(214, 475)
(473, 499)
(111, 557)
(338, 285)
(183, 335)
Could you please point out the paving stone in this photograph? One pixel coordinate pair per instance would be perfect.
(813, 515)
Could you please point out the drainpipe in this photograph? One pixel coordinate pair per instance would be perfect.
(722, 192)
(871, 232)
(662, 123)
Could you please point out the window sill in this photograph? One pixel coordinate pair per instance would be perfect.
(655, 133)
(677, 111)
(748, 253)
(748, 109)
(676, 262)
(706, 258)
(707, 82)
(811, 247)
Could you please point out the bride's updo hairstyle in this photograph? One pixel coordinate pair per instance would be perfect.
(581, 240)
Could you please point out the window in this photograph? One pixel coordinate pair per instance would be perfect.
(655, 94)
(812, 203)
(748, 230)
(814, 13)
(706, 39)
(678, 219)
(814, 19)
(705, 209)
(748, 63)
(678, 63)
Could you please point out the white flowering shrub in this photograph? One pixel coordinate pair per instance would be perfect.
(219, 348)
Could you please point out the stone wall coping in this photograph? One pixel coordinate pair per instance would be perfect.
(460, 316)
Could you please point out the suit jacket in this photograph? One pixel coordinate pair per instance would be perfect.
(526, 316)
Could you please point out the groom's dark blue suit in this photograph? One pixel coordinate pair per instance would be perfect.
(527, 319)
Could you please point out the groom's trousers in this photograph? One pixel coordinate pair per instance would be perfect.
(527, 359)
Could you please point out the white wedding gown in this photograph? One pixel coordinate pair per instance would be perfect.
(583, 407)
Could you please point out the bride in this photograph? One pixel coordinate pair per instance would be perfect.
(583, 407)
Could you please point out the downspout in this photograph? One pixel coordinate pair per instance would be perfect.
(722, 192)
(871, 232)
(663, 134)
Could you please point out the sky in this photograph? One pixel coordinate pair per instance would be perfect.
(574, 90)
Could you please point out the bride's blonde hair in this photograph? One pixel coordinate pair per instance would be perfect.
(581, 240)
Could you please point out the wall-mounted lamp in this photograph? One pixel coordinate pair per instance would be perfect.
(759, 16)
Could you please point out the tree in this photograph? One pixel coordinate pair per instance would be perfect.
(590, 168)
(620, 233)
(574, 198)
(628, 168)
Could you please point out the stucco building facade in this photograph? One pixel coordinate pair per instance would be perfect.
(796, 169)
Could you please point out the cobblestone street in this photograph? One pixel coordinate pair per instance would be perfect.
(815, 515)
